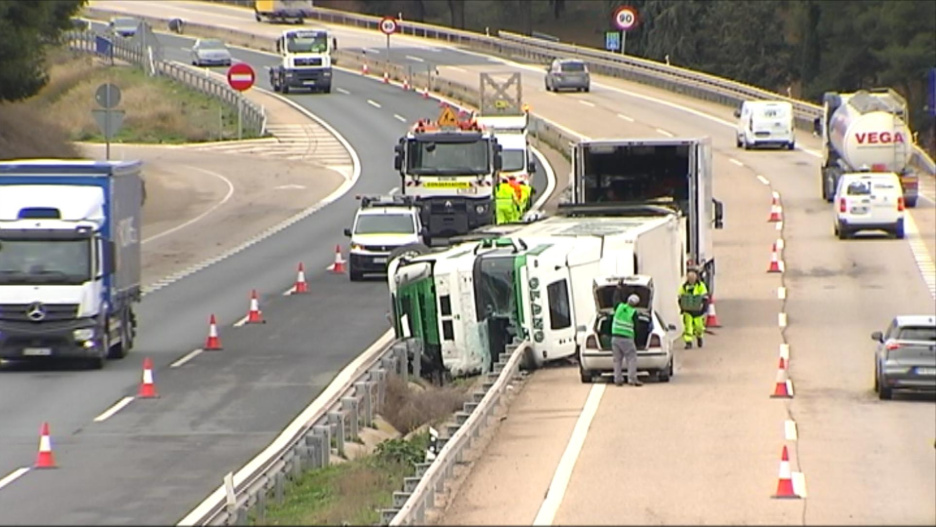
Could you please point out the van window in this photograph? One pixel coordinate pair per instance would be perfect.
(560, 316)
(859, 188)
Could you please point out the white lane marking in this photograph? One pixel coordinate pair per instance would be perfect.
(415, 59)
(799, 484)
(13, 476)
(780, 245)
(372, 50)
(785, 351)
(375, 104)
(328, 395)
(587, 103)
(225, 199)
(734, 161)
(242, 321)
(550, 179)
(394, 190)
(289, 291)
(781, 293)
(763, 180)
(342, 90)
(789, 430)
(560, 481)
(118, 406)
(187, 357)
(626, 118)
(399, 118)
(921, 254)
(456, 68)
(664, 132)
(782, 320)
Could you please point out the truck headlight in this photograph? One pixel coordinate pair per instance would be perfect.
(83, 334)
(356, 246)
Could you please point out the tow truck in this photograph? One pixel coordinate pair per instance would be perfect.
(450, 167)
(305, 61)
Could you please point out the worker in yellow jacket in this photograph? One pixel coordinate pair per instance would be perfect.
(505, 200)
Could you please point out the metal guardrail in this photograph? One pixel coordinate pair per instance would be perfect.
(673, 78)
(254, 115)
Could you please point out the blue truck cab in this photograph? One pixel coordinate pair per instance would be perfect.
(70, 258)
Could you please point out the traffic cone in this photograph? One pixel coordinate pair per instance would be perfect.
(776, 266)
(775, 199)
(776, 214)
(785, 481)
(301, 285)
(45, 458)
(364, 69)
(711, 320)
(783, 388)
(426, 93)
(339, 265)
(213, 342)
(386, 78)
(254, 316)
(148, 386)
(406, 85)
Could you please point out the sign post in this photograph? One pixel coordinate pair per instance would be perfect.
(625, 19)
(388, 26)
(240, 77)
(108, 120)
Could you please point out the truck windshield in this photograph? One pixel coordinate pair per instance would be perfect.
(494, 288)
(317, 43)
(385, 224)
(449, 159)
(637, 173)
(512, 160)
(45, 261)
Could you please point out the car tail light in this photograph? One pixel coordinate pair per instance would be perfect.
(900, 204)
(842, 207)
(891, 345)
(591, 342)
(655, 342)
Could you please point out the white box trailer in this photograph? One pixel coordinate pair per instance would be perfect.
(533, 281)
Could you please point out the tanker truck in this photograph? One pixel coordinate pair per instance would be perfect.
(866, 131)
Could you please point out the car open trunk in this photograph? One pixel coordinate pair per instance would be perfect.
(607, 298)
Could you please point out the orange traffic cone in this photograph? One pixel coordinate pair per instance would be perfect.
(406, 85)
(776, 214)
(785, 482)
(301, 285)
(339, 265)
(783, 388)
(364, 69)
(711, 320)
(776, 265)
(254, 316)
(45, 458)
(213, 342)
(386, 78)
(148, 386)
(425, 93)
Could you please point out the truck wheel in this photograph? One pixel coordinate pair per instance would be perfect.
(899, 230)
(284, 88)
(407, 251)
(327, 89)
(122, 348)
(911, 203)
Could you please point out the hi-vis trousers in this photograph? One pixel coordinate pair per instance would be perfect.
(693, 327)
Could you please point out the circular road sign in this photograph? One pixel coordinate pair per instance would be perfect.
(388, 25)
(107, 95)
(625, 18)
(241, 76)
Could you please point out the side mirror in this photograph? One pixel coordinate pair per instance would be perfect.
(737, 113)
(424, 232)
(877, 336)
(817, 125)
(719, 214)
(398, 162)
(531, 167)
(110, 252)
(347, 232)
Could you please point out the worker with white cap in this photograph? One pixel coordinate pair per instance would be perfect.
(623, 346)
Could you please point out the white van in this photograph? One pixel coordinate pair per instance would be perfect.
(765, 123)
(869, 202)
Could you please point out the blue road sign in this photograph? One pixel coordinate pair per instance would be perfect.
(103, 46)
(613, 40)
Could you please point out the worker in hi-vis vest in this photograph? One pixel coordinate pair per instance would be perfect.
(623, 346)
(693, 303)
(526, 191)
(505, 201)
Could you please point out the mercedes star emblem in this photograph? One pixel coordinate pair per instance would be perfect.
(36, 312)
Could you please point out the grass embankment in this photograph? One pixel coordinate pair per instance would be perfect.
(158, 110)
(351, 492)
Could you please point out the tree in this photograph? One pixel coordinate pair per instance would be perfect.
(457, 13)
(27, 28)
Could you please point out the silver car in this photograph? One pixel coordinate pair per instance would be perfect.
(210, 52)
(906, 355)
(567, 74)
(123, 26)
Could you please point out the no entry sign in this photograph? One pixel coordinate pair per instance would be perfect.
(241, 76)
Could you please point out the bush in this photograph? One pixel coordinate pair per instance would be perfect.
(407, 409)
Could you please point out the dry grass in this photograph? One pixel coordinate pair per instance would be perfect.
(408, 408)
(25, 132)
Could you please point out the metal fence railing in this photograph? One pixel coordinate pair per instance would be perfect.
(138, 52)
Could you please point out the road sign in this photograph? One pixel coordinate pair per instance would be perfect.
(241, 76)
(103, 46)
(109, 121)
(388, 25)
(107, 95)
(448, 117)
(612, 40)
(625, 18)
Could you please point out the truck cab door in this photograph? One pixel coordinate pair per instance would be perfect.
(553, 321)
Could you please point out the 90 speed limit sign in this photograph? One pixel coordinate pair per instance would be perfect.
(625, 18)
(388, 25)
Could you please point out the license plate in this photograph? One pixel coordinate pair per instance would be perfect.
(37, 352)
(859, 210)
(447, 184)
(926, 371)
(309, 82)
(382, 259)
(471, 190)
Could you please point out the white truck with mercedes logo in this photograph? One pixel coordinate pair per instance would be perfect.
(69, 258)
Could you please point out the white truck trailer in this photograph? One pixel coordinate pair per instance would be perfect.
(535, 281)
(866, 131)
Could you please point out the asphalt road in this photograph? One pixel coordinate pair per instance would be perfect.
(705, 448)
(155, 460)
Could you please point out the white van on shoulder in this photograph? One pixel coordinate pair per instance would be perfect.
(765, 123)
(869, 202)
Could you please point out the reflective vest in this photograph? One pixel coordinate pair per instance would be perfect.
(525, 192)
(505, 204)
(623, 323)
(692, 297)
(515, 185)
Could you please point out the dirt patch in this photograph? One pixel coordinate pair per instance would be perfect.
(42, 137)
